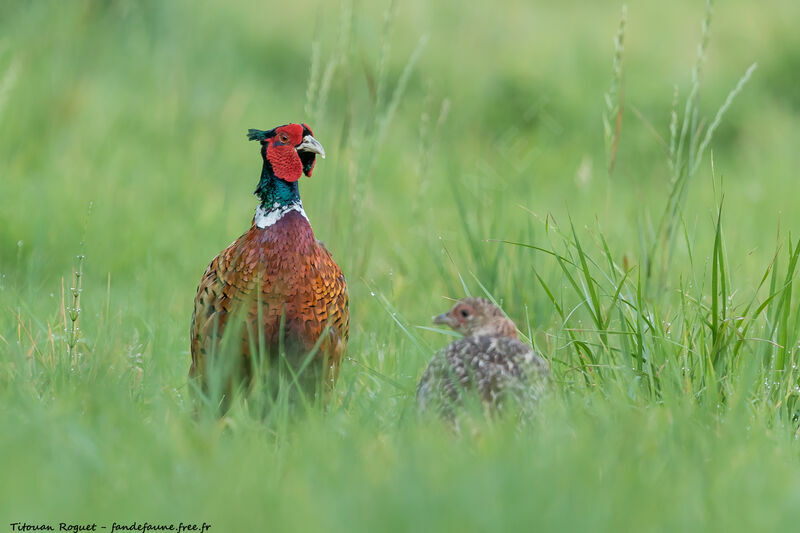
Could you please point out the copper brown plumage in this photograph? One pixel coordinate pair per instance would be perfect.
(276, 290)
(490, 362)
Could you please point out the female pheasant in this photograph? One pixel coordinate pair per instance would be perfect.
(276, 291)
(490, 360)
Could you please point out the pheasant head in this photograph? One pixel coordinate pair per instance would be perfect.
(477, 316)
(288, 151)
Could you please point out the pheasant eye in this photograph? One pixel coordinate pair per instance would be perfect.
(283, 137)
(464, 313)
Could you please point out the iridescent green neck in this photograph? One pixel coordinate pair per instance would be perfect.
(276, 193)
(278, 197)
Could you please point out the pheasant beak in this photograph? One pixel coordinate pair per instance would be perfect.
(310, 144)
(444, 320)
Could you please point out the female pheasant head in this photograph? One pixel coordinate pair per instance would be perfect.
(477, 316)
(288, 151)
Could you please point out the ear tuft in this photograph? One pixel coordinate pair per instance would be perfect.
(257, 135)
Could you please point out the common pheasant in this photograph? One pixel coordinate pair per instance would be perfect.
(490, 360)
(276, 290)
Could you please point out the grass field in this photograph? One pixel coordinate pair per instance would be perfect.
(466, 154)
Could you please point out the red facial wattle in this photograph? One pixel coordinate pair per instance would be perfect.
(285, 162)
(281, 152)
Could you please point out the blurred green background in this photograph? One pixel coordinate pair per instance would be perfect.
(448, 125)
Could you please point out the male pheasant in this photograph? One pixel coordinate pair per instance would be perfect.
(276, 291)
(490, 360)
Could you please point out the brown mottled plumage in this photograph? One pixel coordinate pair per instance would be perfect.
(277, 283)
(490, 360)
